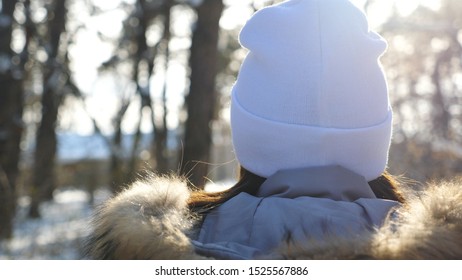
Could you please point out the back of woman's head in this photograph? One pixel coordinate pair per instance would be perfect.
(311, 91)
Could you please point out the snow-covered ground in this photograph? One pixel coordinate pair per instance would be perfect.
(59, 234)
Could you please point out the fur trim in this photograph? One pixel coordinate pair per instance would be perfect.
(430, 227)
(149, 220)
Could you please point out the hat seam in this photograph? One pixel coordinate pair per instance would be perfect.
(321, 72)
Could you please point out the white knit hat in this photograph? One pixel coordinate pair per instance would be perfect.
(311, 91)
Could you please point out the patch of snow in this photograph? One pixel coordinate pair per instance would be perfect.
(73, 147)
(59, 234)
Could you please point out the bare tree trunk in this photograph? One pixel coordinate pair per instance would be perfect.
(11, 107)
(46, 141)
(202, 94)
(141, 55)
(117, 169)
(161, 130)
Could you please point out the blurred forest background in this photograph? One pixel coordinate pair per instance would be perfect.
(94, 93)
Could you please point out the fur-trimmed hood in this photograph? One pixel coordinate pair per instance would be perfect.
(148, 220)
(151, 220)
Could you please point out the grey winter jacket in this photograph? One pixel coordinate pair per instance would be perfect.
(292, 205)
(151, 219)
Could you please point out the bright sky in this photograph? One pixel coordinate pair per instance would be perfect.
(89, 52)
(381, 8)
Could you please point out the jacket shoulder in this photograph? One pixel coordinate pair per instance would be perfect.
(427, 226)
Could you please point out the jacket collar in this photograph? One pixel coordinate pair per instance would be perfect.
(333, 182)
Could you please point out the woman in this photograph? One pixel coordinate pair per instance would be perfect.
(311, 123)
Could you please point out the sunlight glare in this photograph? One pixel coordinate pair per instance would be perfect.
(408, 6)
